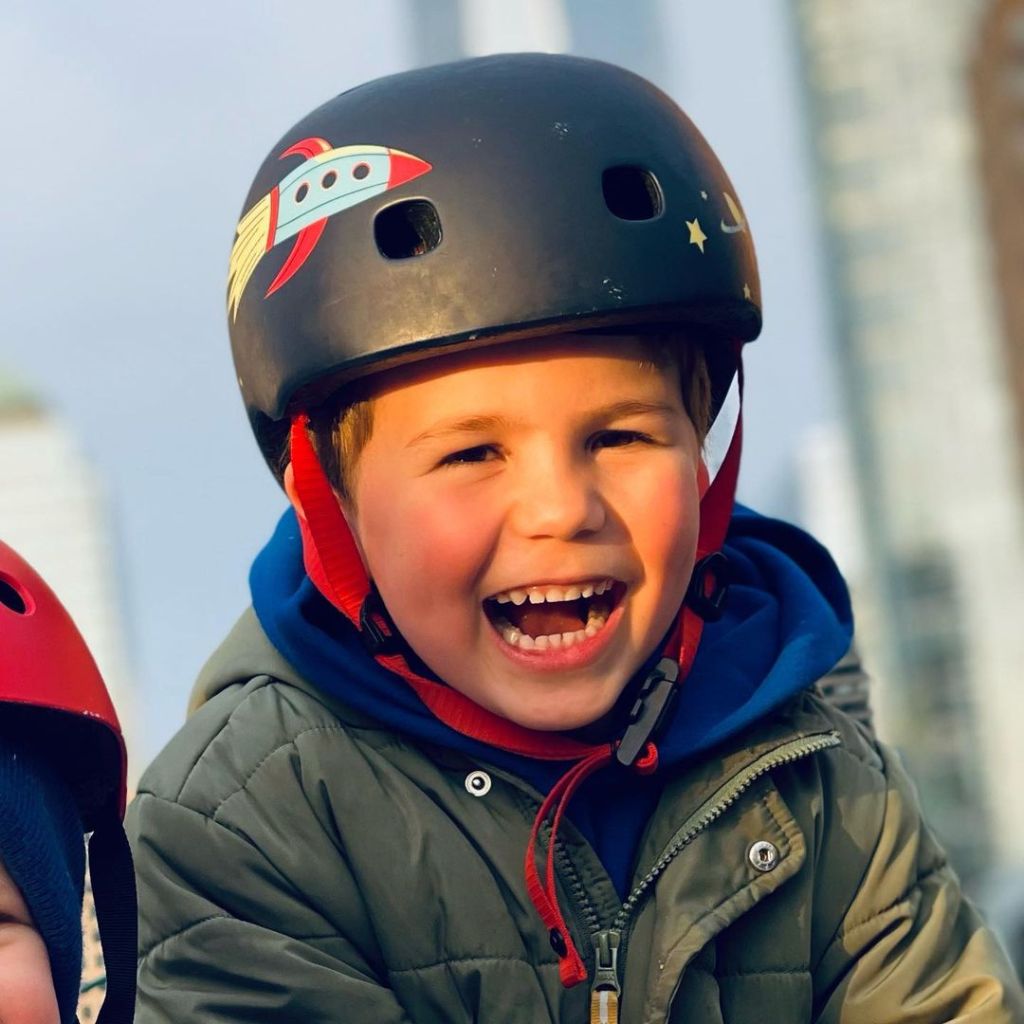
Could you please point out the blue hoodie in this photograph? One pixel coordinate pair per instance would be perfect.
(786, 624)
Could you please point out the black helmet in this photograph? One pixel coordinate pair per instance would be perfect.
(463, 204)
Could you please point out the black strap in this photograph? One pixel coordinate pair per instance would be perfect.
(113, 890)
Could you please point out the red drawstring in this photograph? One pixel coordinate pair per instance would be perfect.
(544, 897)
(571, 969)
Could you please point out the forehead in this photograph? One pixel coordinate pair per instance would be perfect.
(623, 363)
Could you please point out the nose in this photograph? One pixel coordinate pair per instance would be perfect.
(558, 499)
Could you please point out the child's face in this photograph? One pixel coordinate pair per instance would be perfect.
(544, 472)
(26, 985)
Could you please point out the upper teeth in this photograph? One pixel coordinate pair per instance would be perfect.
(539, 595)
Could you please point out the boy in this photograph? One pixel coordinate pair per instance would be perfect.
(514, 731)
(62, 773)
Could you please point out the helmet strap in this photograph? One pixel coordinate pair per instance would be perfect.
(329, 551)
(114, 896)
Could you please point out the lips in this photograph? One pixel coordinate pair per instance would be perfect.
(553, 617)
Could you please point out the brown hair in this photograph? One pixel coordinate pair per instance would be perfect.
(341, 426)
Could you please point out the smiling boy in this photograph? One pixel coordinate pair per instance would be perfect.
(554, 524)
(523, 724)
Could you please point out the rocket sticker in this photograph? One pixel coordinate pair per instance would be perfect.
(329, 180)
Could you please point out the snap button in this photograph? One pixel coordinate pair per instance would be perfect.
(478, 783)
(763, 855)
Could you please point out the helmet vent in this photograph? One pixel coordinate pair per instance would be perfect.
(12, 596)
(409, 228)
(632, 193)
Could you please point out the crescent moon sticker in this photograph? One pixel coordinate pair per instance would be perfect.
(739, 221)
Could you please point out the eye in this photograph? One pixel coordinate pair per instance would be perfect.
(478, 453)
(619, 438)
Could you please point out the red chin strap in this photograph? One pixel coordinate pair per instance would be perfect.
(335, 566)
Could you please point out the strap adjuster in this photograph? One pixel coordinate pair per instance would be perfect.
(709, 606)
(379, 634)
(648, 711)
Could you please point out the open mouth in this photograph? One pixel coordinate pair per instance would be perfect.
(553, 617)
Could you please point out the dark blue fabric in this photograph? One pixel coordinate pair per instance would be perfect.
(43, 848)
(787, 622)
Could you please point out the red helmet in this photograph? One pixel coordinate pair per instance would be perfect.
(53, 696)
(52, 688)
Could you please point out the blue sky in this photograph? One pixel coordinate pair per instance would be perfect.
(131, 134)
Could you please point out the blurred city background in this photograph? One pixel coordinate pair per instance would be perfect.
(878, 150)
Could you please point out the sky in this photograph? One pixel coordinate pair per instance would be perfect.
(131, 134)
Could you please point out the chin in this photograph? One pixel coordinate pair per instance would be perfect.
(555, 716)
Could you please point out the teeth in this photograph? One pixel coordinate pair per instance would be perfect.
(555, 641)
(538, 595)
(509, 633)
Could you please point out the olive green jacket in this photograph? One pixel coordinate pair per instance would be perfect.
(297, 862)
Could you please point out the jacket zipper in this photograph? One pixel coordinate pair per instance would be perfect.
(610, 943)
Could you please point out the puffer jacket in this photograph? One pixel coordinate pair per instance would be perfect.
(297, 861)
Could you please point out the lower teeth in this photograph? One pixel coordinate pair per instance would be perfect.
(514, 638)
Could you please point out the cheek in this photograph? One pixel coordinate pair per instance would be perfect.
(665, 522)
(423, 537)
(26, 982)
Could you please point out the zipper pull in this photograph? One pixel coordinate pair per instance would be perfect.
(605, 991)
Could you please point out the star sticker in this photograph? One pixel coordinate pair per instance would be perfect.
(697, 237)
(746, 291)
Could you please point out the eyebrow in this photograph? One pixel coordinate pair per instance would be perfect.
(466, 425)
(632, 407)
(484, 423)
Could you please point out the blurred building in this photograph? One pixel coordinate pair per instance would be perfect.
(998, 80)
(923, 358)
(606, 29)
(94, 977)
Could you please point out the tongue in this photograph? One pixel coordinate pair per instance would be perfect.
(545, 619)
